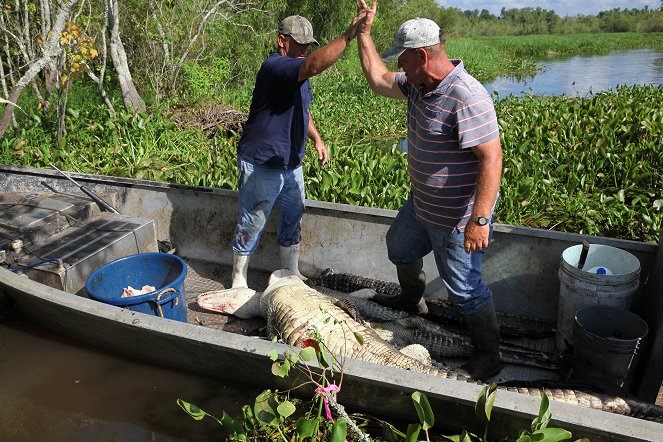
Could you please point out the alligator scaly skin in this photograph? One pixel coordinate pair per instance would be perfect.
(400, 329)
(293, 309)
(404, 328)
(510, 324)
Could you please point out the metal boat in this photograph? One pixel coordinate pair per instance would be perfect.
(51, 217)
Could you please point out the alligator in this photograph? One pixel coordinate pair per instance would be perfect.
(401, 328)
(293, 310)
(439, 311)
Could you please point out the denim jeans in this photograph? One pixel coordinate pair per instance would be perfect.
(409, 240)
(261, 189)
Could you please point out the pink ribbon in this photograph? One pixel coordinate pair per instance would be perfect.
(328, 389)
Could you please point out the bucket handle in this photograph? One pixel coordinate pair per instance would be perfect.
(159, 302)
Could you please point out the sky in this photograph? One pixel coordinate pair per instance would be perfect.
(561, 7)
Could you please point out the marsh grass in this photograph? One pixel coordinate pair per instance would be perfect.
(586, 165)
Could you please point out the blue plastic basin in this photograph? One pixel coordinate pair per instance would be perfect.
(164, 271)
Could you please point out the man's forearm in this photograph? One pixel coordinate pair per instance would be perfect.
(324, 57)
(488, 183)
(313, 133)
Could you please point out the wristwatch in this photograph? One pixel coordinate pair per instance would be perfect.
(481, 220)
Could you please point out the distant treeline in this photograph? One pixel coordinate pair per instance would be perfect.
(528, 21)
(471, 23)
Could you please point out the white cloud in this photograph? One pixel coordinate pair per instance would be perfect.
(561, 7)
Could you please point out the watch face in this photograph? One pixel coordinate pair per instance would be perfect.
(481, 220)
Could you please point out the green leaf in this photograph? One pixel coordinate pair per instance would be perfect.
(307, 427)
(359, 338)
(412, 434)
(293, 358)
(545, 414)
(391, 433)
(462, 437)
(228, 423)
(484, 405)
(307, 354)
(339, 431)
(193, 410)
(281, 369)
(273, 354)
(621, 196)
(249, 418)
(263, 410)
(286, 408)
(324, 359)
(239, 430)
(424, 411)
(551, 435)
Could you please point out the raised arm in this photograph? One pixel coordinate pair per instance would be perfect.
(381, 80)
(327, 55)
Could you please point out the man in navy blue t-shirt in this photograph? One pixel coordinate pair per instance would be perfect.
(271, 149)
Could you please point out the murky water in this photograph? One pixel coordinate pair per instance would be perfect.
(582, 76)
(55, 389)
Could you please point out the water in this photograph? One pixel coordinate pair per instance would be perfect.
(56, 389)
(582, 76)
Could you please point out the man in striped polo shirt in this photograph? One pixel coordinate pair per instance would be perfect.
(455, 165)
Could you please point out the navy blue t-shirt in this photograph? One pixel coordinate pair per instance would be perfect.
(277, 127)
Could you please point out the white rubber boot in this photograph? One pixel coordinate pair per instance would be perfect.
(240, 270)
(290, 259)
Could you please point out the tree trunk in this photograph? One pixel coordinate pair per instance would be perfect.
(50, 71)
(132, 100)
(51, 50)
(102, 72)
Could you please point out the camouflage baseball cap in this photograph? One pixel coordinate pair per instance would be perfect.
(298, 28)
(415, 33)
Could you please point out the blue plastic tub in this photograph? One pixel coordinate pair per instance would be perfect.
(164, 271)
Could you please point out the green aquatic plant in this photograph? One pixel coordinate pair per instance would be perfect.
(279, 415)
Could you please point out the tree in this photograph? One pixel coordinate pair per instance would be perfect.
(130, 96)
(51, 50)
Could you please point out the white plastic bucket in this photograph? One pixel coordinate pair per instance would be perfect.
(579, 288)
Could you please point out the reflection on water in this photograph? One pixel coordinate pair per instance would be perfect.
(54, 389)
(582, 76)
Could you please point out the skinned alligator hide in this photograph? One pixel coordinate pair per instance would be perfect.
(293, 309)
(445, 311)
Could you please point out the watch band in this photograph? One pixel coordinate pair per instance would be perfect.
(480, 220)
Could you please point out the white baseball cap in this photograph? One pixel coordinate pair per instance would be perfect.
(415, 33)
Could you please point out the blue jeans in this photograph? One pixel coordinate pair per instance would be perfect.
(261, 189)
(409, 240)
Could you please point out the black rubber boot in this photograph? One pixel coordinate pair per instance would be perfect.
(485, 334)
(413, 283)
